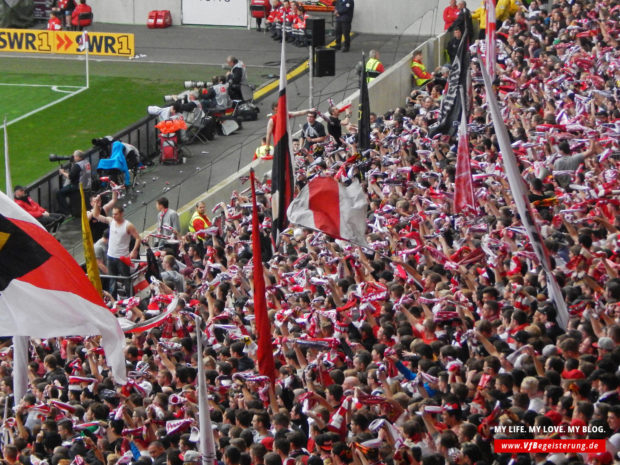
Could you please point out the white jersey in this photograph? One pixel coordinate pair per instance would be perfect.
(118, 245)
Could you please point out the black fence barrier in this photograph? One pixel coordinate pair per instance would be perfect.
(142, 134)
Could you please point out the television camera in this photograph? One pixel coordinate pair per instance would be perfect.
(60, 158)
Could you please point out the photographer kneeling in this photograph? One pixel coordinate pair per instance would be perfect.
(80, 172)
(216, 95)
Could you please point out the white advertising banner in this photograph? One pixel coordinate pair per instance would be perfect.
(216, 12)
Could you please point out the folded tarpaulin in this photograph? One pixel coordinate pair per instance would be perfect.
(171, 126)
(116, 161)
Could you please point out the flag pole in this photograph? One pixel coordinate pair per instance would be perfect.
(4, 436)
(8, 187)
(86, 45)
(207, 442)
(310, 75)
(20, 366)
(522, 203)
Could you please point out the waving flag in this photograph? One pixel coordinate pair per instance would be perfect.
(331, 207)
(282, 178)
(92, 269)
(451, 104)
(266, 363)
(363, 123)
(43, 291)
(464, 201)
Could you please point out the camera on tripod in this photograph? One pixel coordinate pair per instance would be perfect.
(104, 144)
(53, 157)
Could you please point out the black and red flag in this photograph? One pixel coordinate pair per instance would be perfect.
(264, 354)
(44, 293)
(363, 123)
(282, 176)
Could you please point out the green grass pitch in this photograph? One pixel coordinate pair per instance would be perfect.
(119, 94)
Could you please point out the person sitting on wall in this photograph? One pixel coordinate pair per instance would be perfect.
(39, 213)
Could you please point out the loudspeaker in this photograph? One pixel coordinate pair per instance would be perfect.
(315, 30)
(324, 62)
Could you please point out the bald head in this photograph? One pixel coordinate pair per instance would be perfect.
(350, 382)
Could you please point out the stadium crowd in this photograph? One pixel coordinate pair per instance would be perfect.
(412, 351)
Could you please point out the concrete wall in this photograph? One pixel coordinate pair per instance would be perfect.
(133, 11)
(220, 193)
(391, 88)
(407, 17)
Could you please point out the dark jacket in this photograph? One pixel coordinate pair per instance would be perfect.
(464, 23)
(452, 48)
(345, 10)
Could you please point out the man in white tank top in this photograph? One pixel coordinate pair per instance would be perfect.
(121, 232)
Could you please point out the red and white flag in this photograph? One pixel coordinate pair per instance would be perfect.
(44, 293)
(463, 184)
(84, 45)
(326, 205)
(491, 53)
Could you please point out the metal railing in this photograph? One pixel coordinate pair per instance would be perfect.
(127, 281)
(142, 134)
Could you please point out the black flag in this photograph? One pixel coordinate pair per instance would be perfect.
(363, 124)
(450, 109)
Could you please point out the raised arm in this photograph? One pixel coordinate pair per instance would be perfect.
(110, 205)
(97, 212)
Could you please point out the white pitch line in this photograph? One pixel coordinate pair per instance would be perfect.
(46, 106)
(36, 85)
(58, 89)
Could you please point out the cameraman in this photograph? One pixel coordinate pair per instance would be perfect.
(216, 96)
(80, 173)
(237, 78)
